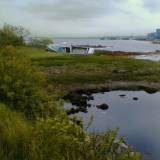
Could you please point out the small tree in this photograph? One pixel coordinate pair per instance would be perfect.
(22, 85)
(40, 42)
(12, 35)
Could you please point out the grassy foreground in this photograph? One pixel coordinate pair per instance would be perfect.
(78, 70)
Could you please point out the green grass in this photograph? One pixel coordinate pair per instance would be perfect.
(33, 52)
(75, 69)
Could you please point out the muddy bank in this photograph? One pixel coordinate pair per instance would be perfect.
(149, 87)
(79, 97)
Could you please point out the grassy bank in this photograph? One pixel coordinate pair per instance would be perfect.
(75, 70)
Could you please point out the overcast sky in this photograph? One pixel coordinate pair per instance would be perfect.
(82, 17)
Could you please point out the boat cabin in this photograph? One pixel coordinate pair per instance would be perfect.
(70, 49)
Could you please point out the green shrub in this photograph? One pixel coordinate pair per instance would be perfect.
(53, 138)
(45, 139)
(12, 35)
(61, 139)
(22, 86)
(16, 141)
(40, 42)
(107, 146)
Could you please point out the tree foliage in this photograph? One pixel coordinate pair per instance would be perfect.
(22, 86)
(40, 42)
(12, 35)
(16, 138)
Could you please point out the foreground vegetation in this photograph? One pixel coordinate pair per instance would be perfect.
(33, 123)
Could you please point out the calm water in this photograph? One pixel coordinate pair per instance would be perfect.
(138, 121)
(115, 45)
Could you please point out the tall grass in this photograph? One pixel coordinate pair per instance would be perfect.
(16, 141)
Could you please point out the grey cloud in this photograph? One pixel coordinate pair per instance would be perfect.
(74, 9)
(152, 5)
(78, 17)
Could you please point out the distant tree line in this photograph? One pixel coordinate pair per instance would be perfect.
(12, 35)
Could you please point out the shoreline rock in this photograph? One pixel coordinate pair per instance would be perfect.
(135, 98)
(79, 97)
(103, 106)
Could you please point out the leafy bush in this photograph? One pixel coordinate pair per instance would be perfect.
(107, 146)
(22, 86)
(45, 139)
(16, 141)
(54, 138)
(61, 139)
(12, 35)
(40, 42)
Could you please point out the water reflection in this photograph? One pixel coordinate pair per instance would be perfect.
(138, 120)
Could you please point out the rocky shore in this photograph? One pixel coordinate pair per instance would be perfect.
(149, 87)
(79, 97)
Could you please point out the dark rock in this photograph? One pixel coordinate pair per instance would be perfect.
(73, 97)
(90, 98)
(151, 90)
(83, 101)
(107, 90)
(103, 106)
(83, 109)
(76, 110)
(72, 111)
(103, 90)
(122, 95)
(88, 93)
(95, 90)
(135, 98)
(148, 89)
(80, 91)
(77, 99)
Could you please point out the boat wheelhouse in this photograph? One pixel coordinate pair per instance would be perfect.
(70, 49)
